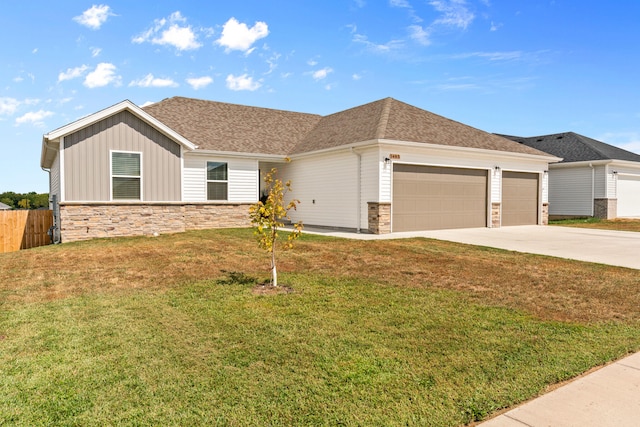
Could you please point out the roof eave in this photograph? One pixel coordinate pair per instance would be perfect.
(511, 154)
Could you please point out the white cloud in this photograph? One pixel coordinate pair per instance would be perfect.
(18, 79)
(8, 106)
(399, 3)
(94, 17)
(243, 82)
(34, 51)
(454, 13)
(491, 56)
(95, 51)
(420, 35)
(103, 75)
(35, 118)
(170, 32)
(150, 81)
(72, 73)
(199, 82)
(238, 36)
(322, 73)
(356, 76)
(378, 48)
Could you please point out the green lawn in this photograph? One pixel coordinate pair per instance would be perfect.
(167, 331)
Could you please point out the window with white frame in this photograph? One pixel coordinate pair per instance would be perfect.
(217, 181)
(126, 177)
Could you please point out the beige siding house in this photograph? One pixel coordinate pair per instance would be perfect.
(381, 167)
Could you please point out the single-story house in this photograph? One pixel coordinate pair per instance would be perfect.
(4, 207)
(594, 179)
(382, 167)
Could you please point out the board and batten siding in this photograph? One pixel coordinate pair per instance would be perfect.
(571, 191)
(87, 174)
(242, 176)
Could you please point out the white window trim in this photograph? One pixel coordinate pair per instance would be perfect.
(124, 176)
(207, 181)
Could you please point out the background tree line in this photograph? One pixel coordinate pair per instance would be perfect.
(30, 200)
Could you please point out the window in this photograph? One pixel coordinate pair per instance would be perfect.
(216, 181)
(125, 176)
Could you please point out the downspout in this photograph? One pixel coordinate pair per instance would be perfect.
(593, 188)
(359, 196)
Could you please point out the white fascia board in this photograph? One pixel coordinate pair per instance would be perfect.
(423, 145)
(256, 156)
(586, 163)
(346, 147)
(114, 109)
(483, 151)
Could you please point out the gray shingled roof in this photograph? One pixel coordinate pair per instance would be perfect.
(228, 127)
(573, 147)
(4, 207)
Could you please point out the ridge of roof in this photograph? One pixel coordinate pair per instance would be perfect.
(384, 118)
(573, 147)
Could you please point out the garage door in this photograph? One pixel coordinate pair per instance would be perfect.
(628, 196)
(432, 198)
(519, 198)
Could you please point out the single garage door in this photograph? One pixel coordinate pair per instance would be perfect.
(432, 198)
(628, 196)
(519, 198)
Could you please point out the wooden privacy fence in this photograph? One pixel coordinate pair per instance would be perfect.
(24, 229)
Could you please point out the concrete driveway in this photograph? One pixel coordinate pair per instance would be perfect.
(620, 248)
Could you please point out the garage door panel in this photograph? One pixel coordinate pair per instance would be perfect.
(628, 195)
(519, 198)
(429, 198)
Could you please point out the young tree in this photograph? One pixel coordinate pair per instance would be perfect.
(267, 217)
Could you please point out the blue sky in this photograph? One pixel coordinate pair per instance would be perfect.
(521, 67)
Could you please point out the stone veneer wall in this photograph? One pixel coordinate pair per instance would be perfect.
(93, 220)
(605, 208)
(379, 217)
(545, 214)
(496, 213)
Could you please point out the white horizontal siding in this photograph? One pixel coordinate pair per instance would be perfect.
(495, 178)
(373, 169)
(600, 183)
(242, 177)
(326, 186)
(243, 180)
(195, 179)
(612, 178)
(570, 191)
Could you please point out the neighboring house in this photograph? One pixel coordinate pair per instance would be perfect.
(4, 207)
(385, 166)
(594, 179)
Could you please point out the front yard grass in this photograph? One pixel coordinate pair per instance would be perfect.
(620, 224)
(167, 331)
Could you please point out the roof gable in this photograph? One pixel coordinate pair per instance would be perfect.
(50, 140)
(573, 147)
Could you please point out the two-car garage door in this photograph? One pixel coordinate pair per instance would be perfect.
(432, 198)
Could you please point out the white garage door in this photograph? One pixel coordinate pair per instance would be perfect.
(628, 196)
(432, 198)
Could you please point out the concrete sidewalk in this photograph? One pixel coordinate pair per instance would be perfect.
(608, 397)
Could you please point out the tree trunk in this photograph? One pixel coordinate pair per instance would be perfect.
(274, 272)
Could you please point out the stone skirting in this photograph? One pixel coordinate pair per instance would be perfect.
(379, 214)
(545, 214)
(605, 208)
(94, 220)
(496, 215)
